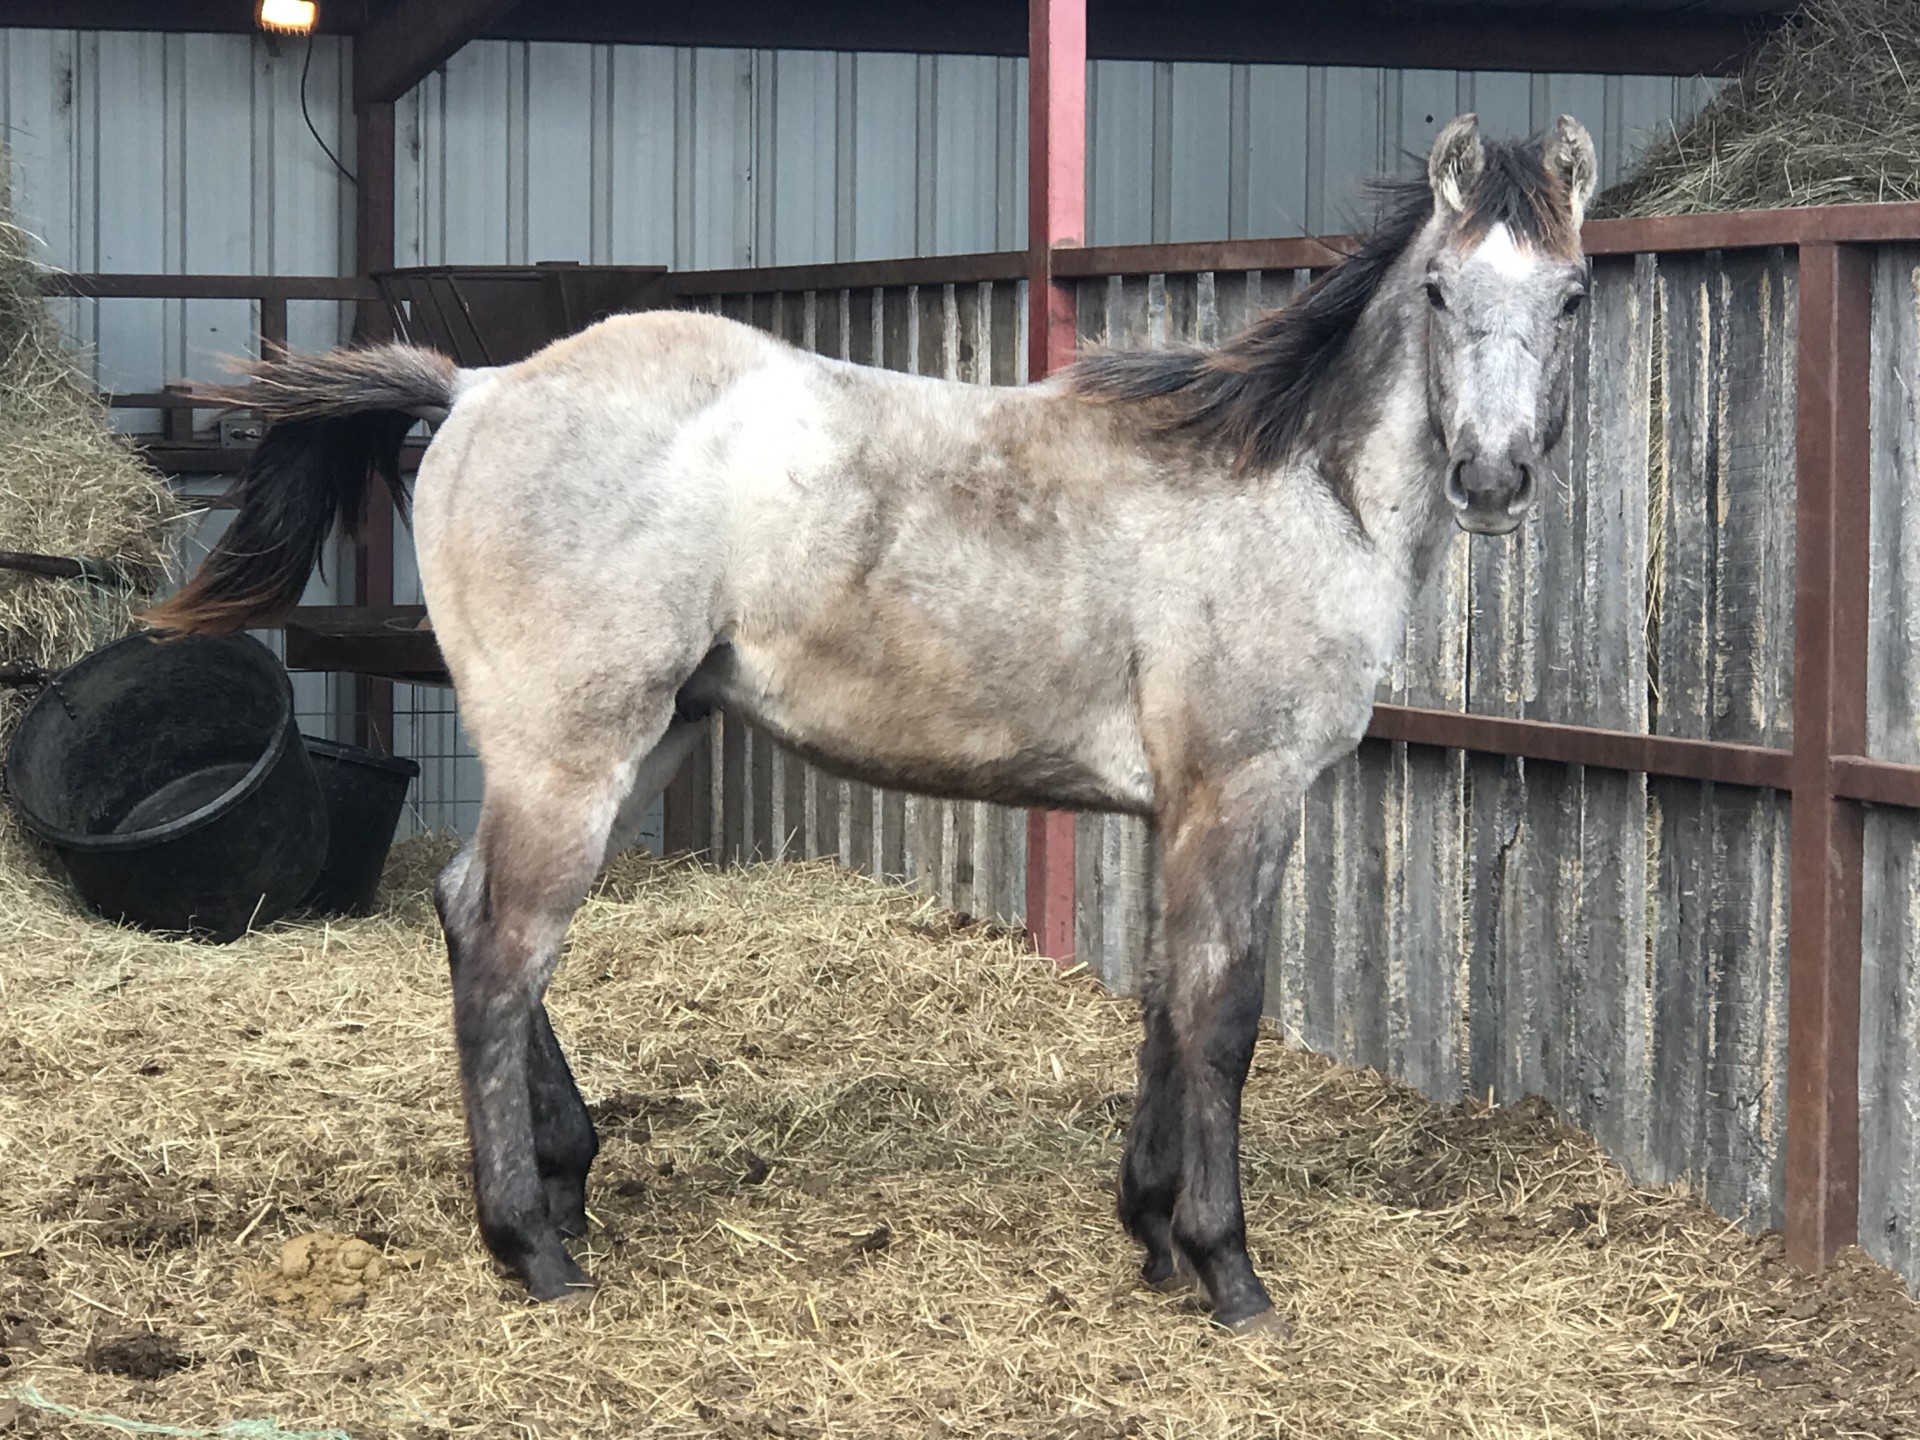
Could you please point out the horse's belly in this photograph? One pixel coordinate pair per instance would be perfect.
(952, 744)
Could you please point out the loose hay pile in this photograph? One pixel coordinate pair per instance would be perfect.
(1827, 112)
(68, 486)
(855, 1183)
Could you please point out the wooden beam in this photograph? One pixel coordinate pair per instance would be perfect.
(207, 17)
(1607, 39)
(1532, 37)
(129, 285)
(414, 38)
(1831, 564)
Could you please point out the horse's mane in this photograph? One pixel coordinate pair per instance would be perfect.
(1251, 395)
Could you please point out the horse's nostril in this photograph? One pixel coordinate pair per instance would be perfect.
(1523, 487)
(1456, 485)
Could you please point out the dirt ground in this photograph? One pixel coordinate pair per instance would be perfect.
(856, 1181)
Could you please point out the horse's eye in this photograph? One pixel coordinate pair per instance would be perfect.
(1434, 297)
(1572, 303)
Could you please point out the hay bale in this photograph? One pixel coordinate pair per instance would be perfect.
(68, 486)
(1826, 113)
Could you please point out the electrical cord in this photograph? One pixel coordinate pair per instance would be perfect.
(305, 66)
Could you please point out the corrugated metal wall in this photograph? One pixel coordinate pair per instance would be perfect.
(703, 159)
(190, 154)
(176, 153)
(186, 154)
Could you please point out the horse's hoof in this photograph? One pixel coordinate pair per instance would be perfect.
(567, 1204)
(1261, 1322)
(559, 1281)
(1176, 1278)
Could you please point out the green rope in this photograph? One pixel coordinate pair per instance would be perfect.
(233, 1430)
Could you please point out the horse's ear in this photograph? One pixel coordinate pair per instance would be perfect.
(1456, 162)
(1569, 155)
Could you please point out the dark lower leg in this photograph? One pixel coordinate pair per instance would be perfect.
(508, 1191)
(563, 1140)
(1223, 856)
(1150, 1171)
(493, 1027)
(1209, 1224)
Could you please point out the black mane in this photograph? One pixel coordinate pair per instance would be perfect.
(1252, 394)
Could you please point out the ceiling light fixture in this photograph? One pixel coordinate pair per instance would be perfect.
(287, 17)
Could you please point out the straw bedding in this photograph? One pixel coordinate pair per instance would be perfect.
(855, 1182)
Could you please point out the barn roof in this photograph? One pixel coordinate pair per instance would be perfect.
(1604, 36)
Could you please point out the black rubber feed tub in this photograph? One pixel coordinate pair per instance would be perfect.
(365, 792)
(172, 779)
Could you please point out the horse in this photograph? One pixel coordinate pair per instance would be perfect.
(1164, 584)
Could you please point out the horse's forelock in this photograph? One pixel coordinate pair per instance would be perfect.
(1519, 190)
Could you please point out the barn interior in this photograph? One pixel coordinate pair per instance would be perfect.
(1532, 1139)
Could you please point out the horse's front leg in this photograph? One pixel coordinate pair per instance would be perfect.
(1150, 1173)
(1223, 843)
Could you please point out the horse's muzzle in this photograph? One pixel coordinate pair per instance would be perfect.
(1492, 497)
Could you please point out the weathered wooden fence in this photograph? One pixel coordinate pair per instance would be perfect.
(1562, 864)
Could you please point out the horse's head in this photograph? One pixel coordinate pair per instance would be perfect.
(1504, 286)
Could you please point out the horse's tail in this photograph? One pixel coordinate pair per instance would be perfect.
(334, 421)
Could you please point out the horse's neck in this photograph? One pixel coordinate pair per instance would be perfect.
(1383, 455)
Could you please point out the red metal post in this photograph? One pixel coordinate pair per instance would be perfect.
(1829, 719)
(1056, 216)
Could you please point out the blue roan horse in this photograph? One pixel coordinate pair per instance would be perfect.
(1159, 583)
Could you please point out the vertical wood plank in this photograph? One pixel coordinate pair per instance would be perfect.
(734, 835)
(1890, 922)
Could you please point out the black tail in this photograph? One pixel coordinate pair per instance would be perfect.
(334, 422)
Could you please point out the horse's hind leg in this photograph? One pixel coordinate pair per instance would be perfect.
(548, 810)
(564, 1143)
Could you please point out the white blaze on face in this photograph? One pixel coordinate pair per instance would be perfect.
(1504, 256)
(1497, 369)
